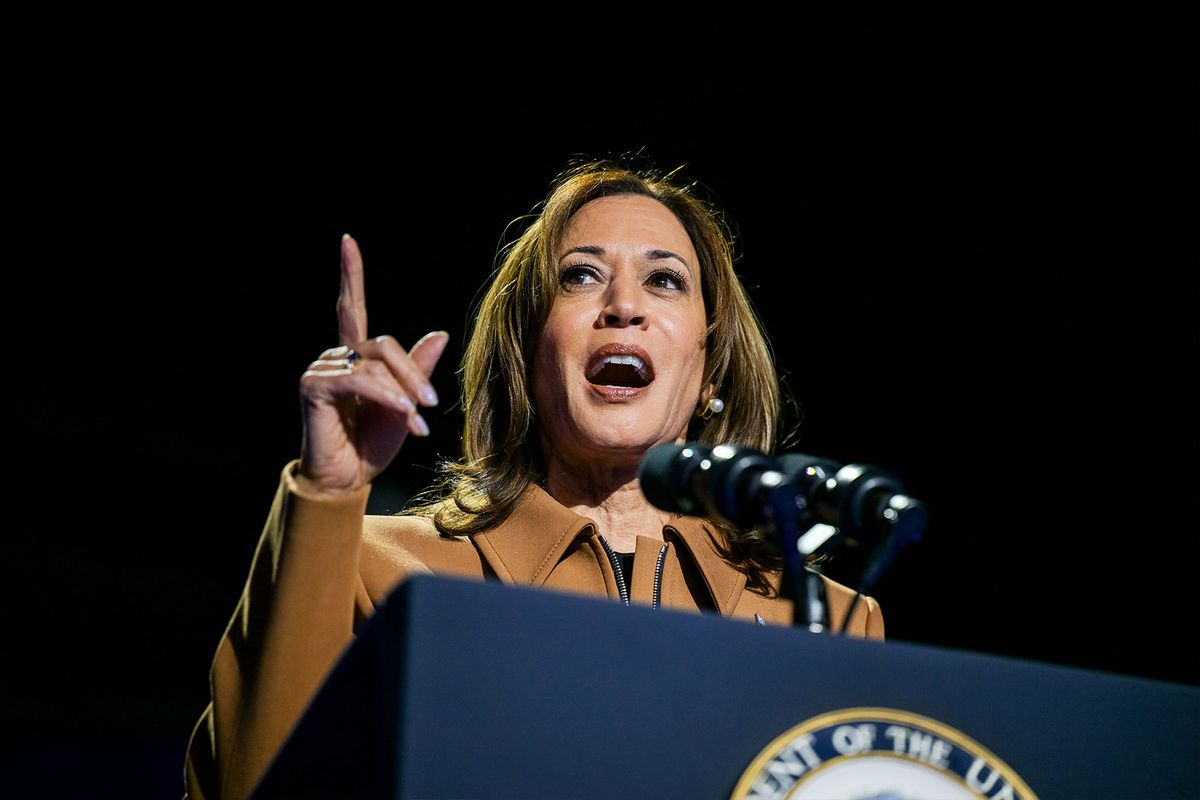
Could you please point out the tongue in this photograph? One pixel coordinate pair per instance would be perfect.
(618, 375)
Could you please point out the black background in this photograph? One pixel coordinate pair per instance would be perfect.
(971, 239)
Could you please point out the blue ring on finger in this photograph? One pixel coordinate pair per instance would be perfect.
(352, 356)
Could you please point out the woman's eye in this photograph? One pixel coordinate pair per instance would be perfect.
(666, 279)
(577, 276)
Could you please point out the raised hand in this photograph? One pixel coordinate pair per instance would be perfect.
(360, 400)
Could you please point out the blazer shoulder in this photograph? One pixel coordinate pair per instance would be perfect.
(396, 546)
(399, 526)
(867, 618)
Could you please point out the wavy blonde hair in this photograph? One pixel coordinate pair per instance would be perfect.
(501, 450)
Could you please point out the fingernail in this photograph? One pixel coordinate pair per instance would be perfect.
(345, 236)
(403, 403)
(429, 396)
(422, 427)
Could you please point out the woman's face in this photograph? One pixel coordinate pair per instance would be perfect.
(619, 364)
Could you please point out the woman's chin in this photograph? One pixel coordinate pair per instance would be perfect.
(621, 446)
(595, 430)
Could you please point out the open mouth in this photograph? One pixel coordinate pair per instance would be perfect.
(623, 366)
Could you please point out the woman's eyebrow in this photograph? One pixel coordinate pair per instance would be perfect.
(654, 255)
(590, 249)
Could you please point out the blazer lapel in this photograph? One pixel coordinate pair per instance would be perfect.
(525, 548)
(725, 582)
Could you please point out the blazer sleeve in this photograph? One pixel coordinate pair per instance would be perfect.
(295, 617)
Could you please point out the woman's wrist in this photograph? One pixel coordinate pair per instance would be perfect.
(306, 486)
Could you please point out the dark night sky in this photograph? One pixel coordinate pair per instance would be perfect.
(972, 241)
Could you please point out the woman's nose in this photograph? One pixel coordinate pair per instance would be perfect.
(623, 306)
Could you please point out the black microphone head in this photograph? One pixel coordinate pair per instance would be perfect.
(805, 470)
(665, 475)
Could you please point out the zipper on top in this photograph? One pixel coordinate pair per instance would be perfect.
(619, 572)
(656, 597)
(622, 587)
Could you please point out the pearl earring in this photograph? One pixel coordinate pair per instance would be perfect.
(715, 405)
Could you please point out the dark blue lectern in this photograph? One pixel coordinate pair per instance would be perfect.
(461, 689)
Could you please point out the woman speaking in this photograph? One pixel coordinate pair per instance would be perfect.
(613, 324)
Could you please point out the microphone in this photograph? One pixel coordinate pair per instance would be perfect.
(746, 488)
(732, 483)
(859, 503)
(856, 503)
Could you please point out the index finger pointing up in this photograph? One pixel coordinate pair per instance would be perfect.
(352, 300)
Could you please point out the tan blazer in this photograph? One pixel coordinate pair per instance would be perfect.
(322, 566)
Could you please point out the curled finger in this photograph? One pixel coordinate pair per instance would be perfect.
(369, 380)
(406, 371)
(336, 359)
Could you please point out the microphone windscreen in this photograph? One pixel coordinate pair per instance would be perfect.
(803, 470)
(665, 475)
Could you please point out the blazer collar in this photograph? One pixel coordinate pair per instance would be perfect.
(525, 547)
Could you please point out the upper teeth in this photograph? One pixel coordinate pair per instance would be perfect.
(631, 360)
(628, 360)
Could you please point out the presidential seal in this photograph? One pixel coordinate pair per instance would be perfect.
(877, 754)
